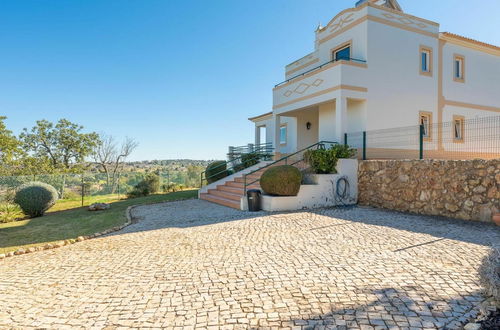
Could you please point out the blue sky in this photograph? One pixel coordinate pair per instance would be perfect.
(181, 77)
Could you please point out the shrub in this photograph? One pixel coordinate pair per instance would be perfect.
(10, 212)
(8, 196)
(170, 187)
(149, 185)
(489, 273)
(216, 171)
(281, 180)
(35, 198)
(251, 159)
(324, 161)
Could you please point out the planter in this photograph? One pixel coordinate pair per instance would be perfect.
(496, 218)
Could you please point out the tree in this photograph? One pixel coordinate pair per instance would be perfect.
(9, 149)
(63, 145)
(111, 159)
(193, 175)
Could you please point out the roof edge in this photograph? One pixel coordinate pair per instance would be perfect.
(260, 116)
(449, 35)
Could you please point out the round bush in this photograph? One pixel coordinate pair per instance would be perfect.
(216, 171)
(281, 180)
(35, 198)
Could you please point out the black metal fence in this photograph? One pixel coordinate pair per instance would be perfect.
(460, 139)
(84, 187)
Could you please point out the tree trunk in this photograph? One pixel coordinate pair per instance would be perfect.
(62, 186)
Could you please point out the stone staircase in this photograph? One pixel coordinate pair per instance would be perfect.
(230, 193)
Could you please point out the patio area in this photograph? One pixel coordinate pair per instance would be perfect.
(194, 264)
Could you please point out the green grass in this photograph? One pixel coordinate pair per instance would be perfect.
(66, 204)
(57, 226)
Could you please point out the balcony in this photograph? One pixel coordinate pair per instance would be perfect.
(317, 84)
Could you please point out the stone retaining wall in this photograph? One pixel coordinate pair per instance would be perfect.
(468, 190)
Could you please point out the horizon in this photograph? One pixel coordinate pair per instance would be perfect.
(180, 78)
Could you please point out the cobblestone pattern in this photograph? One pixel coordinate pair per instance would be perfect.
(193, 264)
(468, 190)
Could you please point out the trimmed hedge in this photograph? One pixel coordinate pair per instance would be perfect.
(216, 171)
(35, 198)
(281, 180)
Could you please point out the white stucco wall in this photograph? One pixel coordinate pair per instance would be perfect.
(482, 76)
(307, 137)
(356, 115)
(396, 89)
(323, 193)
(326, 114)
(266, 122)
(388, 91)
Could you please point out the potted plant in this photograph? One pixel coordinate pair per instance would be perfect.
(325, 161)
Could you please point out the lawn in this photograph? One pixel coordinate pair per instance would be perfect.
(62, 225)
(66, 204)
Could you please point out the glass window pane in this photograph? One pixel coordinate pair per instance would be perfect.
(424, 121)
(343, 54)
(424, 62)
(283, 134)
(458, 129)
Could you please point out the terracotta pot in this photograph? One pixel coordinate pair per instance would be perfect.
(496, 218)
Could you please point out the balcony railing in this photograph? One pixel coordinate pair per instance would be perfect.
(265, 148)
(319, 67)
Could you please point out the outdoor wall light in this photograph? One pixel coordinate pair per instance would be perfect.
(308, 125)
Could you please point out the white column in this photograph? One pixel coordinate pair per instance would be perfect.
(340, 118)
(257, 135)
(326, 122)
(277, 124)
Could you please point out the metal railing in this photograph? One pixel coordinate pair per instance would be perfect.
(319, 67)
(237, 164)
(250, 148)
(477, 138)
(293, 159)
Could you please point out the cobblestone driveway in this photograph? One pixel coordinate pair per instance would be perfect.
(194, 264)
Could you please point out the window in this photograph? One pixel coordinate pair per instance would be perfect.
(283, 134)
(458, 128)
(458, 68)
(425, 61)
(342, 54)
(425, 120)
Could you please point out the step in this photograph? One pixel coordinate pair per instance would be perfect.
(240, 185)
(225, 194)
(233, 190)
(220, 200)
(249, 179)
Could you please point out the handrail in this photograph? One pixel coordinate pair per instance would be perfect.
(254, 145)
(263, 147)
(320, 144)
(319, 67)
(203, 175)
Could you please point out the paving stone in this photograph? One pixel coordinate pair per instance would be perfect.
(193, 264)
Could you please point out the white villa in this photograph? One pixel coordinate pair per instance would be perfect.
(393, 78)
(376, 67)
